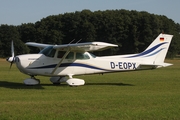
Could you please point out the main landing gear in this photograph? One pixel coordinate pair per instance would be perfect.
(71, 81)
(31, 81)
(56, 80)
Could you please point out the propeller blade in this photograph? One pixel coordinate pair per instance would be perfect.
(11, 65)
(12, 49)
(12, 58)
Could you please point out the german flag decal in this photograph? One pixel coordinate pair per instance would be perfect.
(161, 39)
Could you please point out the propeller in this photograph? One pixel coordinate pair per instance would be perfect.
(12, 58)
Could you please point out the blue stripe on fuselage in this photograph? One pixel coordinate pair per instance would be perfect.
(68, 65)
(148, 51)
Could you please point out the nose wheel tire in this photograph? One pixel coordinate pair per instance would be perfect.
(31, 81)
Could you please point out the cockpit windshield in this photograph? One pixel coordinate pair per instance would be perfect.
(48, 51)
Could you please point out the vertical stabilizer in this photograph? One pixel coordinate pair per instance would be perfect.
(156, 51)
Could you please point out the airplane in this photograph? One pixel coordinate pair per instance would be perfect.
(62, 62)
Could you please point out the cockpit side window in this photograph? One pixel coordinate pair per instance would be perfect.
(62, 53)
(78, 55)
(48, 51)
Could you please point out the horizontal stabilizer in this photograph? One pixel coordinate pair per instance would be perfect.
(153, 66)
(165, 65)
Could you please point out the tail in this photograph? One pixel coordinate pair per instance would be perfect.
(156, 52)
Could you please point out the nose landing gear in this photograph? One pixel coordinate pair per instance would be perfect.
(31, 81)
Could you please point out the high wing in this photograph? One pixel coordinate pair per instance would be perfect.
(38, 45)
(84, 47)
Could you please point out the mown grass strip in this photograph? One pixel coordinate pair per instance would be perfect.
(151, 94)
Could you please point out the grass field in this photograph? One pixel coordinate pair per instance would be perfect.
(151, 94)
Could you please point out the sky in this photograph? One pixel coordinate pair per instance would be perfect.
(17, 12)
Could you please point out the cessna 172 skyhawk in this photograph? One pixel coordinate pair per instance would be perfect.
(62, 62)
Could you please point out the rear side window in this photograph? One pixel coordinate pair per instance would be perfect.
(82, 56)
(70, 55)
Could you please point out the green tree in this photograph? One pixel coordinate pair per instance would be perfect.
(8, 34)
(133, 31)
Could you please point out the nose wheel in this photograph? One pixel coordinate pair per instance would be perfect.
(31, 81)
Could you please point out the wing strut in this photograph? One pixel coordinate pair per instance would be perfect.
(67, 52)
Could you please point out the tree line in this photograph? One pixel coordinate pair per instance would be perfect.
(133, 31)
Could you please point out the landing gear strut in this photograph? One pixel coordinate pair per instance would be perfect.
(58, 80)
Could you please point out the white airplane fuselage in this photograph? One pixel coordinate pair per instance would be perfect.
(39, 64)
